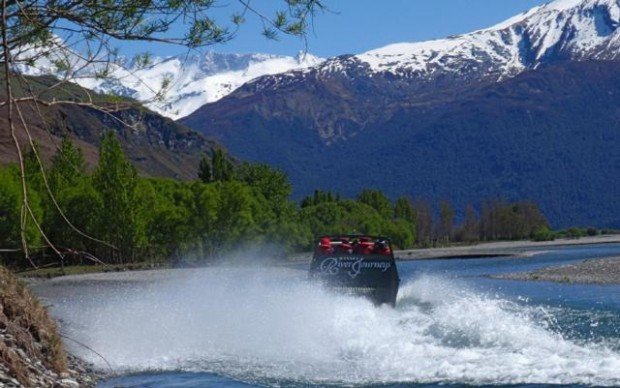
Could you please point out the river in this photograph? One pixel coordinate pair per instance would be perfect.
(252, 326)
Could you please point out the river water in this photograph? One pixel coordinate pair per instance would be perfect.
(453, 325)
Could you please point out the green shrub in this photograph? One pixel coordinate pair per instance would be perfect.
(543, 233)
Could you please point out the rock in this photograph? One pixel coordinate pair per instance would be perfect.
(67, 383)
(6, 381)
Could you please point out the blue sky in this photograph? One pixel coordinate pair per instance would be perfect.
(355, 26)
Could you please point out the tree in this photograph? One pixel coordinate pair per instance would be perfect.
(115, 179)
(377, 200)
(11, 233)
(68, 166)
(223, 169)
(471, 226)
(78, 36)
(272, 184)
(542, 233)
(318, 197)
(446, 221)
(404, 211)
(204, 170)
(424, 223)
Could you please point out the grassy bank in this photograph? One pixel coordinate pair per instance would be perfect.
(28, 334)
(52, 272)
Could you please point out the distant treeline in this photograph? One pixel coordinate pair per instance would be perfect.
(232, 206)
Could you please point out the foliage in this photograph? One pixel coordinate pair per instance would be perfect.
(10, 211)
(116, 180)
(377, 200)
(446, 221)
(223, 169)
(319, 197)
(573, 232)
(94, 24)
(248, 206)
(543, 233)
(501, 220)
(72, 38)
(205, 172)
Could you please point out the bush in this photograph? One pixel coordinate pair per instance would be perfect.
(543, 233)
(575, 233)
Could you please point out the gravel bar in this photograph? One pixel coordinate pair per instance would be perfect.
(591, 271)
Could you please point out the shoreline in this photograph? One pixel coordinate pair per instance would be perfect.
(483, 250)
(497, 249)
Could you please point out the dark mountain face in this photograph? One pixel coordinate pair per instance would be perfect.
(551, 135)
(156, 145)
(524, 109)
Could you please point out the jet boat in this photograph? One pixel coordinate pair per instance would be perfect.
(357, 265)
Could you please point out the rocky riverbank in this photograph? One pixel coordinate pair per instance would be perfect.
(594, 271)
(32, 353)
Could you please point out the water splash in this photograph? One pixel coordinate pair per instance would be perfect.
(270, 326)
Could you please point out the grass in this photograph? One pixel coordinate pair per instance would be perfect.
(28, 329)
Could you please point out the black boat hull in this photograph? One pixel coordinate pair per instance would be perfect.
(371, 276)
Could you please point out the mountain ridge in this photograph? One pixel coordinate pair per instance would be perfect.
(314, 122)
(172, 86)
(156, 145)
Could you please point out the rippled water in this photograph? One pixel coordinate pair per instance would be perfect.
(238, 327)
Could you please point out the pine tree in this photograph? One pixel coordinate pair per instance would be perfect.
(68, 166)
(116, 179)
(377, 200)
(204, 170)
(404, 210)
(223, 170)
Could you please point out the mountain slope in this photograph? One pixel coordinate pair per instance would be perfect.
(408, 74)
(462, 118)
(552, 135)
(172, 86)
(156, 145)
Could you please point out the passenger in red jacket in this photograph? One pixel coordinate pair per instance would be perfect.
(363, 247)
(325, 247)
(344, 247)
(382, 248)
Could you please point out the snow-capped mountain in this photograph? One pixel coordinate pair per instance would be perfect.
(350, 92)
(563, 29)
(560, 30)
(192, 80)
(172, 86)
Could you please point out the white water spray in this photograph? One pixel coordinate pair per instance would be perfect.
(271, 326)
